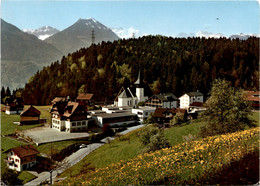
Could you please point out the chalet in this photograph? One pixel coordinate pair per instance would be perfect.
(85, 99)
(72, 117)
(143, 112)
(163, 100)
(132, 96)
(164, 115)
(189, 98)
(21, 158)
(30, 116)
(254, 98)
(14, 105)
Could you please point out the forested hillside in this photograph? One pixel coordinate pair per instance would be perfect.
(168, 65)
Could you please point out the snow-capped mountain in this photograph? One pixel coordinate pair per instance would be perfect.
(200, 34)
(43, 32)
(79, 35)
(241, 36)
(126, 33)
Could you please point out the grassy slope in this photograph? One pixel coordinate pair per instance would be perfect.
(123, 150)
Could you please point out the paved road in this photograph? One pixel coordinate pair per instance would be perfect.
(76, 157)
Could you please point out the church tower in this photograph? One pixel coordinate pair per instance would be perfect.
(140, 89)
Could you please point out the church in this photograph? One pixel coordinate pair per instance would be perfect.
(131, 96)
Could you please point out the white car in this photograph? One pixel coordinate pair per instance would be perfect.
(83, 146)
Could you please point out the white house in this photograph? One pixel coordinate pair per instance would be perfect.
(143, 112)
(189, 98)
(21, 158)
(163, 100)
(132, 96)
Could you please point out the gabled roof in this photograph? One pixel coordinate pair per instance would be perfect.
(126, 92)
(85, 96)
(25, 150)
(192, 94)
(160, 112)
(58, 99)
(30, 111)
(252, 95)
(166, 97)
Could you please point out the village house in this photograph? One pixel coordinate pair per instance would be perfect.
(143, 112)
(163, 100)
(132, 96)
(254, 98)
(85, 99)
(21, 158)
(69, 116)
(164, 115)
(30, 116)
(13, 105)
(189, 98)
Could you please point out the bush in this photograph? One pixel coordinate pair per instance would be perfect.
(152, 138)
(177, 119)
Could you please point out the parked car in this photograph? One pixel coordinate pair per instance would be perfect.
(83, 146)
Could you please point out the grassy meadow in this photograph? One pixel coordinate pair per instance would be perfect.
(195, 162)
(128, 147)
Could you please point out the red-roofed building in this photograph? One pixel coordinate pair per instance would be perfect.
(30, 116)
(254, 98)
(73, 117)
(13, 105)
(164, 115)
(196, 107)
(21, 158)
(85, 99)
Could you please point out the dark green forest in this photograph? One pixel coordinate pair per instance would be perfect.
(167, 64)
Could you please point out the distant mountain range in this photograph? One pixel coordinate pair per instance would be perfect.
(22, 55)
(43, 32)
(80, 35)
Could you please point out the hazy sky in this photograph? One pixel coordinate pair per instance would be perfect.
(149, 17)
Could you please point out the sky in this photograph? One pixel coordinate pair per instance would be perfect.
(168, 17)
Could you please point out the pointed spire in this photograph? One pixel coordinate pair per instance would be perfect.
(138, 81)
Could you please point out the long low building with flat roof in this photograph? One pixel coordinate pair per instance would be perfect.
(116, 118)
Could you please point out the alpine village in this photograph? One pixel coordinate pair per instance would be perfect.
(152, 110)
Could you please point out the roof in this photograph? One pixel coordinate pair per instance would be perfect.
(197, 104)
(114, 115)
(58, 99)
(70, 108)
(25, 150)
(166, 97)
(30, 111)
(126, 93)
(192, 94)
(252, 95)
(159, 112)
(85, 96)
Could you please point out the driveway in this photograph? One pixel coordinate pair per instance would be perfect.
(45, 135)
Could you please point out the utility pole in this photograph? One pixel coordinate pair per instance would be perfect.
(93, 36)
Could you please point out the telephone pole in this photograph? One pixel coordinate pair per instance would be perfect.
(93, 36)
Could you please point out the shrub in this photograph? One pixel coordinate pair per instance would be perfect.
(152, 138)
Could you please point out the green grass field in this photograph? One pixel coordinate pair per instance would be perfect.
(128, 149)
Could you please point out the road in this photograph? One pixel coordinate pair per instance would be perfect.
(75, 158)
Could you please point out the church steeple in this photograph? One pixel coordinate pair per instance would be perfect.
(139, 83)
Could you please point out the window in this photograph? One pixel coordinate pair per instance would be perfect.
(16, 160)
(15, 165)
(78, 123)
(83, 123)
(73, 124)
